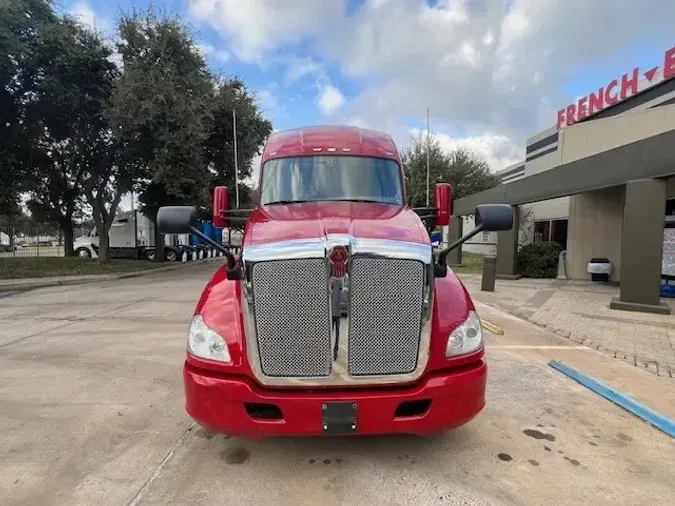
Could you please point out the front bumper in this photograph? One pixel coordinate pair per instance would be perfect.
(224, 404)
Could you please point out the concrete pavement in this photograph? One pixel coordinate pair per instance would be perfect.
(580, 311)
(91, 412)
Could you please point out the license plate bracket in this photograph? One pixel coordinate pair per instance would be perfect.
(339, 417)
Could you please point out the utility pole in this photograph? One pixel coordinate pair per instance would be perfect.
(427, 157)
(236, 168)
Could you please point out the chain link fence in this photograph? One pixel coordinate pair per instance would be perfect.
(33, 242)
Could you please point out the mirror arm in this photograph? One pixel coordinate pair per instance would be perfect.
(233, 270)
(424, 211)
(441, 267)
(237, 215)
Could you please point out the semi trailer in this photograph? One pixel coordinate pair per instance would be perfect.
(132, 236)
(337, 318)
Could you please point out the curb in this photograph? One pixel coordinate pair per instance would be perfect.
(660, 369)
(24, 287)
(656, 368)
(658, 420)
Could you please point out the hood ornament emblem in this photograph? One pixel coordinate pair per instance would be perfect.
(338, 260)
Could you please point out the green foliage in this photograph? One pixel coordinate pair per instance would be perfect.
(539, 260)
(44, 266)
(22, 25)
(70, 99)
(464, 170)
(252, 130)
(472, 263)
(81, 131)
(162, 102)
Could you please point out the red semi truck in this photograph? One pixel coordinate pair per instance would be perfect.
(338, 317)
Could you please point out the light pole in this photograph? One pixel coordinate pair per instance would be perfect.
(236, 169)
(428, 141)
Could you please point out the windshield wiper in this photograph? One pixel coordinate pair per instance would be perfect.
(372, 201)
(286, 202)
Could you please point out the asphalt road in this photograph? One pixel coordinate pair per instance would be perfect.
(91, 412)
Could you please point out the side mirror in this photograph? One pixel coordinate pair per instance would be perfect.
(494, 217)
(176, 219)
(443, 203)
(220, 206)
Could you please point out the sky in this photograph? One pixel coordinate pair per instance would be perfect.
(491, 72)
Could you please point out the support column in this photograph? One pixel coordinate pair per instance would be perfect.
(642, 247)
(455, 232)
(507, 249)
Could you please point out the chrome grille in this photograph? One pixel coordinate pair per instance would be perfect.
(292, 317)
(384, 316)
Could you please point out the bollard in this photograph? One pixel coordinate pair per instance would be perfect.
(562, 271)
(489, 274)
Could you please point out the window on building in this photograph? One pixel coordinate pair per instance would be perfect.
(551, 231)
(670, 207)
(559, 232)
(542, 231)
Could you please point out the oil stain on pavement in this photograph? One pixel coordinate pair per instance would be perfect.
(538, 435)
(236, 455)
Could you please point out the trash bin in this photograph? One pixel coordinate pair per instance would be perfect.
(600, 269)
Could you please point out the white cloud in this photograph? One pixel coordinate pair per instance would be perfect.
(256, 27)
(499, 151)
(84, 13)
(255, 171)
(480, 67)
(267, 100)
(330, 100)
(219, 54)
(299, 68)
(116, 58)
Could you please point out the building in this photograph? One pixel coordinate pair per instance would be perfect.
(600, 181)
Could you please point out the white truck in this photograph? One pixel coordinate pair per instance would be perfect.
(132, 236)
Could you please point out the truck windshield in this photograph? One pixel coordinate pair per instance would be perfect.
(337, 178)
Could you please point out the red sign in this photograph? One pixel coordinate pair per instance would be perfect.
(616, 90)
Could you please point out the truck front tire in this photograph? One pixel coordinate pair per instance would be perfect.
(83, 253)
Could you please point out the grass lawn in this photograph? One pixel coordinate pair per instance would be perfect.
(41, 267)
(472, 263)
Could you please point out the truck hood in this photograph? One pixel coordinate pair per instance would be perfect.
(312, 220)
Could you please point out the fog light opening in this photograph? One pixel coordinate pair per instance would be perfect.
(412, 408)
(263, 411)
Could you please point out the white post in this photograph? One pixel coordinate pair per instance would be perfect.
(236, 168)
(428, 140)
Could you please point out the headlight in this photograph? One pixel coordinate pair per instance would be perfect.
(466, 338)
(205, 342)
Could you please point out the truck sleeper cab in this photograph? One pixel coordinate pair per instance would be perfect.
(337, 318)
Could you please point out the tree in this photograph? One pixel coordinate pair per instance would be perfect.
(71, 96)
(161, 108)
(467, 172)
(22, 24)
(252, 131)
(525, 225)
